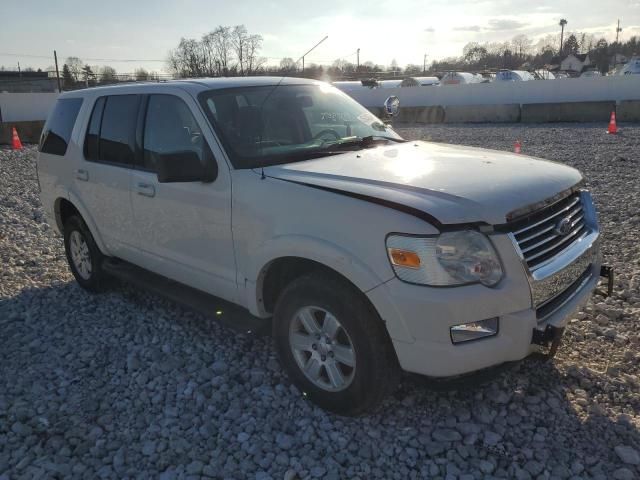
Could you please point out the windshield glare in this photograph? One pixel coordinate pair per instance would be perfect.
(262, 126)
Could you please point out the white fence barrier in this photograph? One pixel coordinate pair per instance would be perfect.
(615, 88)
(25, 107)
(16, 107)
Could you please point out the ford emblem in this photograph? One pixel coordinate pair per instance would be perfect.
(563, 227)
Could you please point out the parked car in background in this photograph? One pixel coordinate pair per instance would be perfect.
(513, 76)
(632, 67)
(286, 198)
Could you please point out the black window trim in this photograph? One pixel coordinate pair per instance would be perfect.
(136, 153)
(88, 127)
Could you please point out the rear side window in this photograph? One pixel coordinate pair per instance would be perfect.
(170, 128)
(93, 132)
(57, 131)
(118, 129)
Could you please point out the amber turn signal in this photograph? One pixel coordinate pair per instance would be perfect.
(404, 258)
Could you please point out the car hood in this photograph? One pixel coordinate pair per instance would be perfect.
(451, 184)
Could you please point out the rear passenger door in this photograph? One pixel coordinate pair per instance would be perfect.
(184, 228)
(103, 179)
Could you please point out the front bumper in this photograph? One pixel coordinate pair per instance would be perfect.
(419, 318)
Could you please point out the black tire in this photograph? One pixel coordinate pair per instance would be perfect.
(376, 370)
(97, 280)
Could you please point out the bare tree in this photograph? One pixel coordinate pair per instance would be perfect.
(412, 69)
(88, 76)
(188, 59)
(239, 39)
(108, 74)
(222, 51)
(75, 67)
(547, 43)
(219, 47)
(521, 44)
(141, 74)
(287, 64)
(252, 47)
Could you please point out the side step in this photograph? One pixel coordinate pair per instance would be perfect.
(225, 313)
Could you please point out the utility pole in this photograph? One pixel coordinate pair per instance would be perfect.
(55, 58)
(563, 22)
(310, 50)
(19, 72)
(358, 60)
(618, 30)
(424, 64)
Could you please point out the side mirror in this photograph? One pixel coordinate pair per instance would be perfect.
(392, 106)
(185, 166)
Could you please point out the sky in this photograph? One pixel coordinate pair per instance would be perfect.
(111, 31)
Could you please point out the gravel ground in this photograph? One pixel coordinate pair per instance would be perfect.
(126, 384)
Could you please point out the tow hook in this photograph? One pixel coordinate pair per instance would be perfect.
(607, 272)
(551, 336)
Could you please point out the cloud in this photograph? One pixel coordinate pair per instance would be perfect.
(504, 24)
(468, 28)
(494, 25)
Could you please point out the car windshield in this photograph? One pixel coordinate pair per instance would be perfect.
(269, 125)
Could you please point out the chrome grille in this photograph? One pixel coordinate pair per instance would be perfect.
(544, 234)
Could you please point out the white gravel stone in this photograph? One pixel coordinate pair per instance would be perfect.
(127, 384)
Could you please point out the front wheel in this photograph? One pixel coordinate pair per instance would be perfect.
(333, 345)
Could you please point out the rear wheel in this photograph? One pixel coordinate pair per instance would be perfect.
(84, 256)
(333, 345)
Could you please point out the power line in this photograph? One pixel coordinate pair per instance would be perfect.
(27, 55)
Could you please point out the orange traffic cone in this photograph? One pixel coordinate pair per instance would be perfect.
(517, 147)
(16, 144)
(613, 127)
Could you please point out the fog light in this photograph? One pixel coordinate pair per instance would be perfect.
(467, 332)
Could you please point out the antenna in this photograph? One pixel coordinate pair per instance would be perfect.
(310, 50)
(618, 30)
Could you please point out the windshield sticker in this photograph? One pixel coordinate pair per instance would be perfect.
(335, 117)
(366, 118)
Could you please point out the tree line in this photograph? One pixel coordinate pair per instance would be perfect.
(521, 53)
(225, 51)
(234, 51)
(229, 51)
(76, 74)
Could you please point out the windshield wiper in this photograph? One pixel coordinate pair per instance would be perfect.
(361, 141)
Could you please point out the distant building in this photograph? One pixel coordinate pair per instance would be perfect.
(575, 62)
(25, 82)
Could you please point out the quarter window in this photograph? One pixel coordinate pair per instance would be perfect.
(118, 130)
(170, 128)
(57, 131)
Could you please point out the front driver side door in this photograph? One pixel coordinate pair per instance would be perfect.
(183, 228)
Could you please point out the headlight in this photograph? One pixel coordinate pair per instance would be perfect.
(448, 259)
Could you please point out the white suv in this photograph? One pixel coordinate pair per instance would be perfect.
(370, 253)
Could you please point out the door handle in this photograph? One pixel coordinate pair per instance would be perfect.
(145, 189)
(82, 174)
